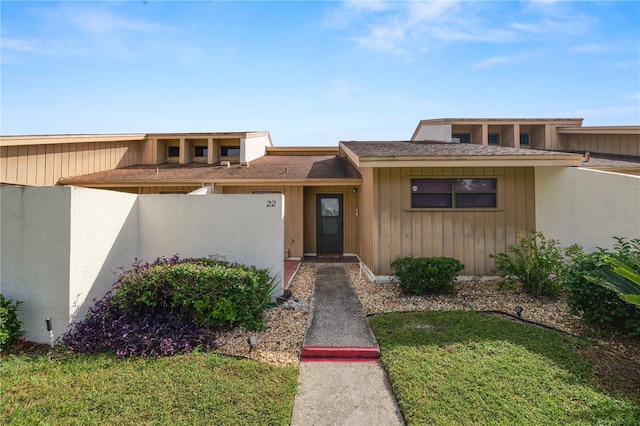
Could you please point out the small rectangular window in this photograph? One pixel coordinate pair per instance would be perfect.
(462, 137)
(524, 138)
(173, 151)
(230, 151)
(454, 193)
(494, 138)
(200, 151)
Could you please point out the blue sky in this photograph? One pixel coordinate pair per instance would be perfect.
(313, 73)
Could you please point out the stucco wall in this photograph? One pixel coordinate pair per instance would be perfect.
(247, 229)
(35, 241)
(436, 132)
(104, 236)
(61, 247)
(587, 207)
(253, 148)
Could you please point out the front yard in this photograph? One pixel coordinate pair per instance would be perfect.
(450, 361)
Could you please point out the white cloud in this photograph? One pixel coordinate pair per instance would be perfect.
(20, 45)
(99, 21)
(404, 27)
(86, 31)
(497, 60)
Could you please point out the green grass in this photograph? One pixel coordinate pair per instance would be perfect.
(471, 368)
(195, 389)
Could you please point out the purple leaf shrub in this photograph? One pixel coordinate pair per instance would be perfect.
(108, 328)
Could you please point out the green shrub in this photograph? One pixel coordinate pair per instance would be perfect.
(623, 279)
(10, 325)
(426, 275)
(536, 264)
(596, 304)
(211, 292)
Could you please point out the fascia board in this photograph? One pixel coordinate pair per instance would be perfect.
(489, 161)
(62, 139)
(355, 160)
(221, 182)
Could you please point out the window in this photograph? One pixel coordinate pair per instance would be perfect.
(524, 138)
(494, 138)
(462, 137)
(200, 151)
(453, 193)
(230, 151)
(173, 151)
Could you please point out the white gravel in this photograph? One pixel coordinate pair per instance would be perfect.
(281, 342)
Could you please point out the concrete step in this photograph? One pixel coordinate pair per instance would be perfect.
(339, 354)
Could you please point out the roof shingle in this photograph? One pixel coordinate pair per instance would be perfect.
(266, 168)
(408, 149)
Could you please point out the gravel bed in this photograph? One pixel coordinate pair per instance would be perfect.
(281, 342)
(486, 296)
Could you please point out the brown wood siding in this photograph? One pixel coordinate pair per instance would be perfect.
(365, 230)
(350, 203)
(44, 165)
(467, 235)
(604, 144)
(293, 214)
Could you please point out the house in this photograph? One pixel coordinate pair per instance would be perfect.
(463, 188)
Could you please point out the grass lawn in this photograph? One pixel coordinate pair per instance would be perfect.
(193, 389)
(472, 368)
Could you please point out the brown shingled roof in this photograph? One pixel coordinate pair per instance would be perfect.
(268, 168)
(397, 149)
(443, 154)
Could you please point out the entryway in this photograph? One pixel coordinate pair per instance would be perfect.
(329, 224)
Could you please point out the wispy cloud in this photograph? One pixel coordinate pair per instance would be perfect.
(86, 31)
(407, 27)
(495, 61)
(101, 22)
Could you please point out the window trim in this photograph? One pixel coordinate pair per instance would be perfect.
(498, 194)
(169, 148)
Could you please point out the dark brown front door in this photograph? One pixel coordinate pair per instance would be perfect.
(329, 221)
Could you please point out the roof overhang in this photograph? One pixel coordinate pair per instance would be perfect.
(217, 182)
(547, 160)
(123, 137)
(57, 139)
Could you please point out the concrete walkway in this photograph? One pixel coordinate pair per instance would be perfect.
(341, 381)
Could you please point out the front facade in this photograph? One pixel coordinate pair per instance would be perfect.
(462, 188)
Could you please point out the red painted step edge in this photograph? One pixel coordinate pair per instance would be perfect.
(339, 353)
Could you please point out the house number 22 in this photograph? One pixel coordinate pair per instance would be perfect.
(271, 203)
